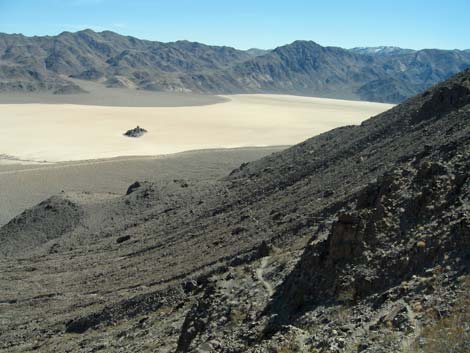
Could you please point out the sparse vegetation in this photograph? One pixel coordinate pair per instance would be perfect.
(237, 316)
(288, 347)
(450, 334)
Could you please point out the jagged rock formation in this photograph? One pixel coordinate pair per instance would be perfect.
(410, 220)
(302, 67)
(354, 240)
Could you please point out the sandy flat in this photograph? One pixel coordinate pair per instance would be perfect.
(23, 186)
(67, 132)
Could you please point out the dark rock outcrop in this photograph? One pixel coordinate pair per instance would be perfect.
(136, 132)
(407, 222)
(133, 187)
(444, 100)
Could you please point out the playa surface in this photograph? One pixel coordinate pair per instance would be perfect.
(69, 132)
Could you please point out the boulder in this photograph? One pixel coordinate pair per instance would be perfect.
(133, 187)
(345, 240)
(137, 132)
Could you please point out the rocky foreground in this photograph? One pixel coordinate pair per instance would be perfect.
(356, 240)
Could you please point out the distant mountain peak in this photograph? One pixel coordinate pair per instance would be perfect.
(304, 43)
(88, 30)
(257, 51)
(381, 50)
(304, 46)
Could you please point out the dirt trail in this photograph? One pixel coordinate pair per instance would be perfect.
(259, 276)
(408, 341)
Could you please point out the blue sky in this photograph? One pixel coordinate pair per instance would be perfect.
(250, 23)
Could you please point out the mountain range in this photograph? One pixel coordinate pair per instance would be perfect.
(356, 240)
(382, 74)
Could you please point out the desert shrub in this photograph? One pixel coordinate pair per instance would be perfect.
(237, 316)
(287, 347)
(450, 334)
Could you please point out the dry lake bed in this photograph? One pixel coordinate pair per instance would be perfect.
(70, 132)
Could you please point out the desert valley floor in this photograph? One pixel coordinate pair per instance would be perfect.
(70, 132)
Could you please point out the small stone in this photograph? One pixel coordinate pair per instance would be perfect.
(123, 239)
(421, 244)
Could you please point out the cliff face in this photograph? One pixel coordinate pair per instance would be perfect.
(354, 240)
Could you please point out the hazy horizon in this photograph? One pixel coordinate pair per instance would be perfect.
(245, 25)
(212, 44)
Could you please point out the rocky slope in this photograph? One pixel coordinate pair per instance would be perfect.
(384, 74)
(356, 240)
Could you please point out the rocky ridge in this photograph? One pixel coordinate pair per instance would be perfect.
(302, 67)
